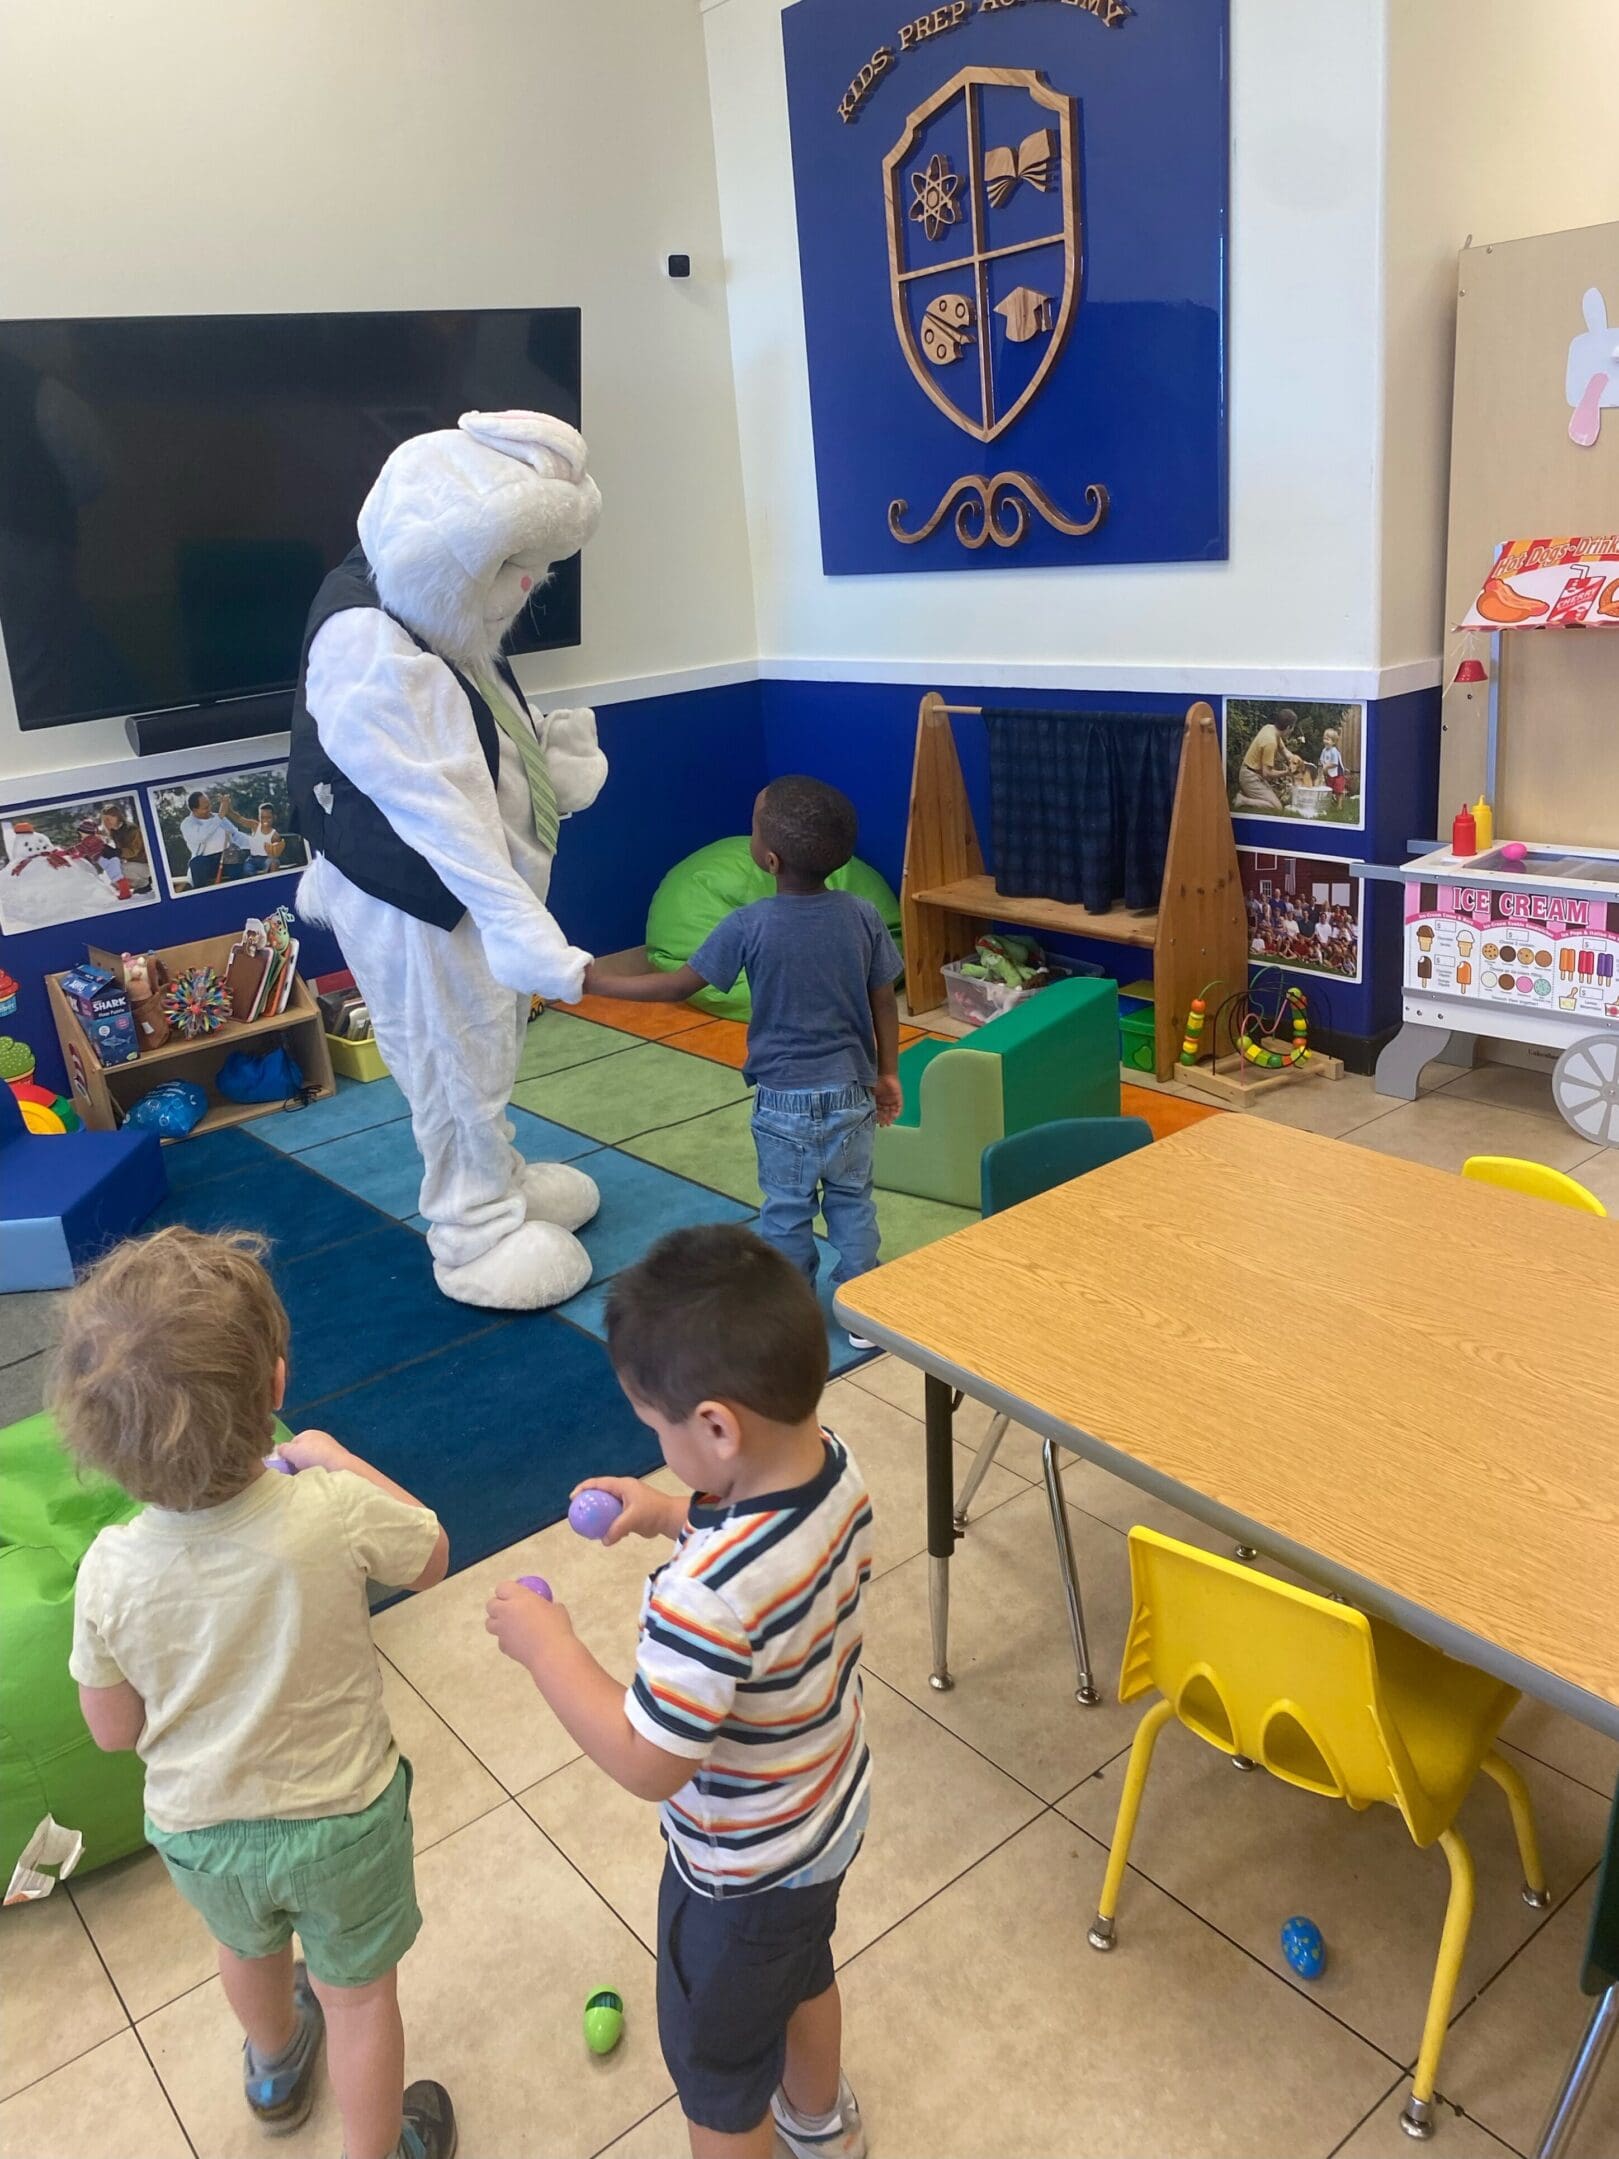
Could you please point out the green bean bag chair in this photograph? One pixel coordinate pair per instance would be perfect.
(700, 892)
(50, 1513)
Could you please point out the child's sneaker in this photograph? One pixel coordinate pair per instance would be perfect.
(281, 2092)
(429, 2131)
(838, 2135)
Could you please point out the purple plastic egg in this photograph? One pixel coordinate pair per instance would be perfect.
(275, 1461)
(537, 1582)
(593, 1513)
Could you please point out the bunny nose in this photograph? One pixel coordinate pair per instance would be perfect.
(527, 584)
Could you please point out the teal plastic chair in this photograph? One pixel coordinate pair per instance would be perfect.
(1013, 1170)
(1601, 1978)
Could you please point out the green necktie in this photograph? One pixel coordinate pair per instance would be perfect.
(518, 729)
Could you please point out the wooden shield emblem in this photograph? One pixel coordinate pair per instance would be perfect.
(981, 195)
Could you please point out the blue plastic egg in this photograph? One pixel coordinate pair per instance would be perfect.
(1303, 1947)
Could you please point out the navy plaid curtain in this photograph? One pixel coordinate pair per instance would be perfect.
(1080, 804)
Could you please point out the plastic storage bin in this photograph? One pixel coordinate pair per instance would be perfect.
(974, 1000)
(357, 1060)
(1138, 1043)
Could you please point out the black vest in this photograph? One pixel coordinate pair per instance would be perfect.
(353, 834)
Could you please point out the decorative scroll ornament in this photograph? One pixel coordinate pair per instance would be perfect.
(997, 509)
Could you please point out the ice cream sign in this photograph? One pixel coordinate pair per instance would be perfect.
(1551, 908)
(1531, 950)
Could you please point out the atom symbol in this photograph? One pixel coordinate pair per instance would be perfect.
(935, 206)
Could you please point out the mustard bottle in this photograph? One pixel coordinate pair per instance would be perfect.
(1484, 821)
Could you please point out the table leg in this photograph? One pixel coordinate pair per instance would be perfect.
(939, 1411)
(1569, 2104)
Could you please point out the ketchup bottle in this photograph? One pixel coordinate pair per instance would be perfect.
(1464, 833)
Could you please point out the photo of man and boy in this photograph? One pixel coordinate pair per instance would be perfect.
(226, 827)
(1298, 761)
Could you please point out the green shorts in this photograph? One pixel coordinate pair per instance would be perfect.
(346, 1882)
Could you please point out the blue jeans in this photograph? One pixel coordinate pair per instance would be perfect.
(814, 1146)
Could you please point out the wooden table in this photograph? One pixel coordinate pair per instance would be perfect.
(1401, 1384)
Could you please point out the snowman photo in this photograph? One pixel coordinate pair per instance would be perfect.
(66, 861)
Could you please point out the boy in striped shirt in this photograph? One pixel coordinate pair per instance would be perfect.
(744, 1717)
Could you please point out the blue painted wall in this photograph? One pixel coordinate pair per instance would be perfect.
(860, 737)
(682, 771)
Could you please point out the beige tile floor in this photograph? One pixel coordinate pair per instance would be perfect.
(978, 2021)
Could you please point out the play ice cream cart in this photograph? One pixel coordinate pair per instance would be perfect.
(1520, 942)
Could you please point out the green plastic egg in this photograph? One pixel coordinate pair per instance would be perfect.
(604, 2021)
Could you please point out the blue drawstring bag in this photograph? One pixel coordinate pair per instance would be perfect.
(269, 1076)
(170, 1110)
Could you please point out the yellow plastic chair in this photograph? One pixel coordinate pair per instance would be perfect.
(1326, 1699)
(1514, 1175)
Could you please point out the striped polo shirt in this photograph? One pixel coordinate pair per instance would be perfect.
(749, 1664)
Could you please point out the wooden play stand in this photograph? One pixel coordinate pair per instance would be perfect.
(109, 1092)
(1197, 935)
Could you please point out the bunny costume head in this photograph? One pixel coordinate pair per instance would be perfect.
(431, 797)
(462, 524)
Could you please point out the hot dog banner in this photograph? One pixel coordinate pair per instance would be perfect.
(1550, 585)
(1533, 950)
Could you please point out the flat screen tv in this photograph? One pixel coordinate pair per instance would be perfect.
(173, 489)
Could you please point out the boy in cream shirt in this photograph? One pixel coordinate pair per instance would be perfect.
(224, 1634)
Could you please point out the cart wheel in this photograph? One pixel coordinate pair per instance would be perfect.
(1585, 1087)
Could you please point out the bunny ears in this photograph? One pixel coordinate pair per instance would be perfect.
(549, 446)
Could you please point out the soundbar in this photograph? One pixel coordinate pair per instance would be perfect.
(200, 727)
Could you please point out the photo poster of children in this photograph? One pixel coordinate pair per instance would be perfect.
(64, 861)
(1302, 913)
(1295, 760)
(221, 828)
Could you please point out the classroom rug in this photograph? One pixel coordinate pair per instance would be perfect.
(492, 1417)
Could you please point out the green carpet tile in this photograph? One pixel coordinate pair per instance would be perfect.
(557, 1041)
(908, 1223)
(716, 1150)
(614, 1098)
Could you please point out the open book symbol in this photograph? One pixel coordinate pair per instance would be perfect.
(1031, 161)
(1592, 379)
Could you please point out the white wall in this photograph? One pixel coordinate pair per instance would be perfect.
(1502, 123)
(191, 156)
(1296, 603)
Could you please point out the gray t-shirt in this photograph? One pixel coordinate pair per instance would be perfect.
(812, 960)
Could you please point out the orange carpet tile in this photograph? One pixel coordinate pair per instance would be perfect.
(653, 1023)
(1166, 1113)
(726, 1041)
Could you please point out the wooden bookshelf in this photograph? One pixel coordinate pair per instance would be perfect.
(104, 1095)
(978, 896)
(1197, 934)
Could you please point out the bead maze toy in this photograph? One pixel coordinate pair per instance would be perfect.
(1266, 1044)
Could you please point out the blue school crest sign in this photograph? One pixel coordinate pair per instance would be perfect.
(1012, 238)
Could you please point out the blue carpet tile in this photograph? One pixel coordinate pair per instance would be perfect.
(381, 1164)
(356, 1105)
(589, 1308)
(364, 1309)
(191, 1162)
(496, 1431)
(639, 1204)
(297, 1211)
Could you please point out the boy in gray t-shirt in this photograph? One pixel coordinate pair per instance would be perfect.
(823, 1041)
